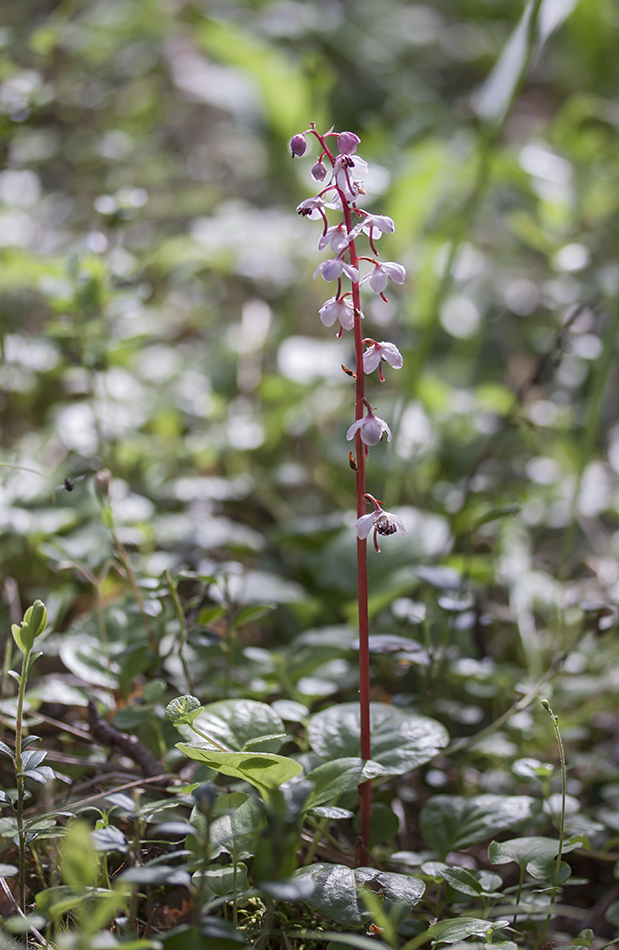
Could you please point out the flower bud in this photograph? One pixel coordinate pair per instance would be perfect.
(347, 142)
(298, 145)
(319, 171)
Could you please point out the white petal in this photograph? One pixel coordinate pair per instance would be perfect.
(371, 430)
(397, 521)
(395, 271)
(383, 223)
(346, 316)
(364, 525)
(385, 428)
(378, 279)
(353, 428)
(329, 312)
(331, 269)
(391, 353)
(371, 359)
(350, 271)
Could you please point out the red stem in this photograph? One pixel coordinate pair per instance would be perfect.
(365, 789)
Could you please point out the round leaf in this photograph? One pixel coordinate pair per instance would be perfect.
(336, 892)
(400, 740)
(451, 822)
(235, 722)
(524, 850)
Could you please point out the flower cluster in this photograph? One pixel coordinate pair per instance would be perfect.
(340, 172)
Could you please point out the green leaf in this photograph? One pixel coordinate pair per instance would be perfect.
(209, 614)
(109, 839)
(54, 902)
(80, 862)
(213, 934)
(336, 894)
(253, 744)
(400, 740)
(33, 624)
(264, 771)
(282, 83)
(338, 776)
(235, 722)
(236, 833)
(462, 880)
(338, 940)
(330, 811)
(218, 882)
(492, 101)
(384, 824)
(451, 822)
(253, 613)
(525, 850)
(450, 931)
(153, 875)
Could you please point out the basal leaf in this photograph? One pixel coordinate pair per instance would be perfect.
(400, 740)
(338, 776)
(451, 822)
(336, 892)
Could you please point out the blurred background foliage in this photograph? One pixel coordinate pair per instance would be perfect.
(159, 317)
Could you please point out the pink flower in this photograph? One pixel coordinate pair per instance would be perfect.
(298, 145)
(338, 308)
(370, 428)
(312, 208)
(319, 171)
(334, 268)
(347, 142)
(379, 277)
(377, 352)
(374, 225)
(336, 236)
(349, 171)
(383, 522)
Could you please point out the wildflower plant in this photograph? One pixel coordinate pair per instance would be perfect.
(340, 171)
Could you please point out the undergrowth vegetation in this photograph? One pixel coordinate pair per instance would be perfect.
(183, 754)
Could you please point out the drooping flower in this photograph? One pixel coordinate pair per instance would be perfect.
(347, 142)
(338, 308)
(383, 522)
(319, 171)
(349, 171)
(334, 268)
(336, 236)
(379, 276)
(373, 225)
(371, 427)
(298, 145)
(377, 352)
(312, 208)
